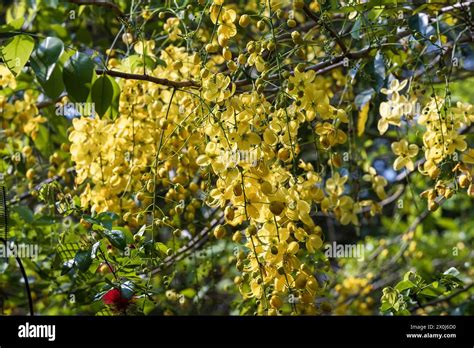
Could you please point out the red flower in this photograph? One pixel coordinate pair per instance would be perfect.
(114, 297)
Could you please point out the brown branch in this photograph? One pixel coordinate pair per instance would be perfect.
(157, 80)
(47, 103)
(101, 3)
(29, 193)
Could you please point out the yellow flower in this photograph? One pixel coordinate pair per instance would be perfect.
(214, 157)
(468, 157)
(405, 152)
(244, 140)
(335, 185)
(454, 142)
(313, 243)
(429, 113)
(390, 114)
(330, 135)
(216, 88)
(378, 182)
(394, 88)
(145, 47)
(32, 126)
(6, 78)
(172, 27)
(465, 112)
(431, 169)
(346, 210)
(300, 80)
(225, 18)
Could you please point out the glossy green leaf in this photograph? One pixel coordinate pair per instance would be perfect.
(116, 238)
(54, 86)
(103, 94)
(45, 56)
(77, 77)
(16, 52)
(83, 260)
(15, 24)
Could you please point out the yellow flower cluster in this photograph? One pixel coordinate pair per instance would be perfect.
(148, 147)
(446, 152)
(264, 193)
(447, 156)
(252, 147)
(22, 116)
(224, 19)
(352, 296)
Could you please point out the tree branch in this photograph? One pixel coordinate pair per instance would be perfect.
(443, 299)
(29, 193)
(157, 80)
(193, 244)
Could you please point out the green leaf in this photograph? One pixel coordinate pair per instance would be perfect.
(113, 111)
(16, 12)
(25, 213)
(404, 312)
(189, 293)
(4, 262)
(385, 306)
(54, 86)
(67, 267)
(453, 271)
(45, 56)
(116, 238)
(374, 14)
(355, 31)
(448, 224)
(16, 52)
(83, 260)
(404, 284)
(106, 219)
(43, 141)
(104, 94)
(141, 231)
(363, 97)
(420, 23)
(77, 76)
(148, 306)
(161, 247)
(127, 290)
(44, 220)
(14, 25)
(428, 291)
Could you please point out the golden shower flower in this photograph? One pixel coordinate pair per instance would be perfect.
(405, 153)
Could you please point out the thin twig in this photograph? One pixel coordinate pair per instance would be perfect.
(443, 299)
(333, 33)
